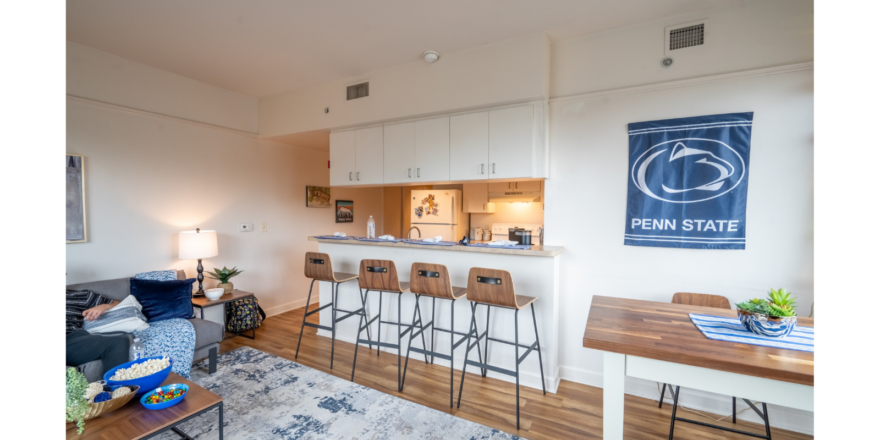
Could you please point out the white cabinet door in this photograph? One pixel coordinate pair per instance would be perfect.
(500, 186)
(432, 150)
(469, 146)
(342, 161)
(369, 156)
(399, 152)
(475, 198)
(510, 142)
(532, 185)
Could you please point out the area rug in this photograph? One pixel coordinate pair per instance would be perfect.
(267, 397)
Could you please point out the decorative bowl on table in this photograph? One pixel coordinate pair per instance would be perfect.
(145, 383)
(215, 293)
(155, 399)
(96, 409)
(766, 325)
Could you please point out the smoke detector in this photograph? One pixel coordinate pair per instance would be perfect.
(431, 56)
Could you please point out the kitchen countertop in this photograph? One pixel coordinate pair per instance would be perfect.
(534, 251)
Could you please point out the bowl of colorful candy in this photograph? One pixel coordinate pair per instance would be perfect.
(164, 397)
(147, 373)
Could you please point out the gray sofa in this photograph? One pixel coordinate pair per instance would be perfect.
(208, 334)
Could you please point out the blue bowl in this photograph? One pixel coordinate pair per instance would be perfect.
(765, 325)
(169, 403)
(145, 383)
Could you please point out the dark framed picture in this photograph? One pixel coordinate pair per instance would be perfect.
(344, 211)
(317, 197)
(76, 199)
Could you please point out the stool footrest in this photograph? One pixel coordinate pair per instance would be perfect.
(533, 347)
(350, 314)
(491, 368)
(509, 343)
(381, 344)
(322, 327)
(319, 309)
(447, 331)
(431, 353)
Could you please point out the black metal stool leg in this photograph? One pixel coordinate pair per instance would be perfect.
(516, 359)
(305, 315)
(433, 332)
(733, 399)
(379, 327)
(674, 409)
(766, 420)
(484, 371)
(451, 354)
(409, 345)
(538, 343)
(399, 341)
(358, 338)
(468, 349)
(421, 323)
(663, 394)
(366, 317)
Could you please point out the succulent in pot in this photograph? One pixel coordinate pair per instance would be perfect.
(223, 276)
(774, 317)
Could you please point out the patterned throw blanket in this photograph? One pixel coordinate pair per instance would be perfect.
(175, 338)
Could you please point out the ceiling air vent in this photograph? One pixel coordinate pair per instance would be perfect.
(356, 91)
(685, 36)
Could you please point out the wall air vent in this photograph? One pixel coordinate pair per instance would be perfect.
(686, 35)
(356, 91)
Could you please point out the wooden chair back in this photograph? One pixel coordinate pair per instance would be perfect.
(431, 280)
(491, 286)
(701, 299)
(319, 266)
(379, 275)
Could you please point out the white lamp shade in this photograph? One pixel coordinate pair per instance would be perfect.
(197, 245)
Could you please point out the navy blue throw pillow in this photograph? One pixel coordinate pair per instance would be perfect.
(163, 300)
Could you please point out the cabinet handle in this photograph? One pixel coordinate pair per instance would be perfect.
(515, 185)
(418, 172)
(358, 174)
(493, 168)
(349, 175)
(481, 169)
(409, 173)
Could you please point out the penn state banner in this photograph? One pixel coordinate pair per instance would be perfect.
(688, 182)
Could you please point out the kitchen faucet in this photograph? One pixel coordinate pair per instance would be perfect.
(410, 231)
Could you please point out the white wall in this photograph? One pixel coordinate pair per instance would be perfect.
(108, 78)
(478, 77)
(589, 160)
(746, 36)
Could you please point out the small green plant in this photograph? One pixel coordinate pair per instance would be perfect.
(225, 274)
(779, 303)
(77, 405)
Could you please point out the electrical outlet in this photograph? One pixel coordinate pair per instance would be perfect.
(245, 227)
(265, 227)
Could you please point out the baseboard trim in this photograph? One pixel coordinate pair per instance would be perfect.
(781, 417)
(277, 310)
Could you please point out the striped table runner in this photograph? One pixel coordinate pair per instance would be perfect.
(731, 330)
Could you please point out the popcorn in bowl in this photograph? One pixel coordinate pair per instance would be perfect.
(142, 369)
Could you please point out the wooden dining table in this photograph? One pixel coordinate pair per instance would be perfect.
(658, 342)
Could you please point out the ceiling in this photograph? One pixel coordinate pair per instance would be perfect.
(263, 48)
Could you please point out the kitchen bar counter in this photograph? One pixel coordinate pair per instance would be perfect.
(535, 273)
(534, 251)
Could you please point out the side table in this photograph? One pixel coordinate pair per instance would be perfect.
(203, 302)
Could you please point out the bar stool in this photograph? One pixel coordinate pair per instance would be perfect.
(432, 280)
(318, 267)
(493, 287)
(381, 276)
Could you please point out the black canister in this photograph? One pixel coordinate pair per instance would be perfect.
(520, 236)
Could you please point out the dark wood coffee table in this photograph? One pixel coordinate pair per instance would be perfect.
(202, 302)
(133, 421)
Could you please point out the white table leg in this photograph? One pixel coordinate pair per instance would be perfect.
(612, 395)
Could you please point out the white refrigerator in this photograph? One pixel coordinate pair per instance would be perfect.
(438, 213)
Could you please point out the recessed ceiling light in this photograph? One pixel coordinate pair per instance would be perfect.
(431, 56)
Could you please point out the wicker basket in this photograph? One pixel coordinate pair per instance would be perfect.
(96, 409)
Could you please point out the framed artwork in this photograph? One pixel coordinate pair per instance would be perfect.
(344, 211)
(317, 197)
(76, 199)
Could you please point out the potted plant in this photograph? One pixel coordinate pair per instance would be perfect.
(774, 316)
(77, 405)
(223, 276)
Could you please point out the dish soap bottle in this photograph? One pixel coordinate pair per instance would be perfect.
(371, 228)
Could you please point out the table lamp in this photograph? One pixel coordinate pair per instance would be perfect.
(198, 244)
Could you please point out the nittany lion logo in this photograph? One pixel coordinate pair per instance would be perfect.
(688, 170)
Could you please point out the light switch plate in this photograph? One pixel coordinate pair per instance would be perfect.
(265, 227)
(245, 227)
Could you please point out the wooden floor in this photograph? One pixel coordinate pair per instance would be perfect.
(574, 412)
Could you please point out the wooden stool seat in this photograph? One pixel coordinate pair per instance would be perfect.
(458, 292)
(380, 275)
(523, 301)
(341, 277)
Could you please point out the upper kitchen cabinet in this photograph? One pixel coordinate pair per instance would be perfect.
(469, 146)
(400, 140)
(516, 142)
(342, 162)
(369, 156)
(432, 150)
